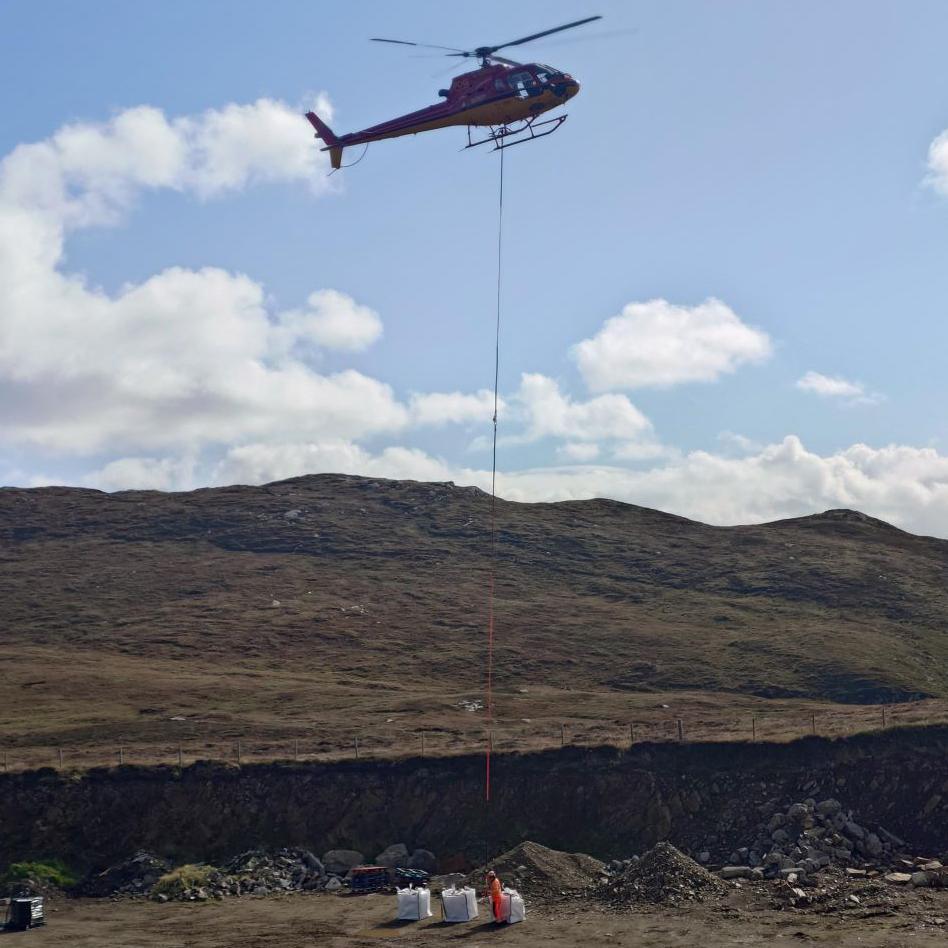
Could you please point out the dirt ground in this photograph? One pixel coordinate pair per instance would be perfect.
(298, 920)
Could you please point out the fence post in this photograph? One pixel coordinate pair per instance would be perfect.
(753, 729)
(296, 749)
(681, 731)
(813, 722)
(357, 748)
(422, 743)
(60, 758)
(562, 735)
(238, 752)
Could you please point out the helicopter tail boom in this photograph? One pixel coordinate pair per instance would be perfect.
(323, 131)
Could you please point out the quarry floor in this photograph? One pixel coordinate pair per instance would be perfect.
(298, 920)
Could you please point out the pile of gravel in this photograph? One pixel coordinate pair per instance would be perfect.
(663, 875)
(539, 872)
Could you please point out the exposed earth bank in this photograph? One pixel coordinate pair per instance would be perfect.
(609, 803)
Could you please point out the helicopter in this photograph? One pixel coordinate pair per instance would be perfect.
(504, 96)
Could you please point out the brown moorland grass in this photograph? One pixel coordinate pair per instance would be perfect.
(328, 608)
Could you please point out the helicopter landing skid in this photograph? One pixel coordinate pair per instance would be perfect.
(506, 136)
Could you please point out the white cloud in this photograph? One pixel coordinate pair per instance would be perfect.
(262, 462)
(90, 173)
(904, 485)
(659, 344)
(581, 452)
(186, 358)
(144, 474)
(739, 442)
(938, 164)
(331, 319)
(828, 386)
(439, 408)
(548, 413)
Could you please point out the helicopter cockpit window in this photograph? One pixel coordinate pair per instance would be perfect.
(523, 82)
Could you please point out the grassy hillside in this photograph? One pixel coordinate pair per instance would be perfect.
(277, 609)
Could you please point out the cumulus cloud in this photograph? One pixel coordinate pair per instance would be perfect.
(828, 386)
(90, 173)
(262, 462)
(578, 451)
(658, 344)
(144, 474)
(904, 485)
(548, 413)
(332, 320)
(937, 177)
(185, 358)
(439, 408)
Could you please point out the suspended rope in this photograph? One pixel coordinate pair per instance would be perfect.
(489, 703)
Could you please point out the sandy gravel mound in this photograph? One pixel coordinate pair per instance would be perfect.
(663, 875)
(538, 872)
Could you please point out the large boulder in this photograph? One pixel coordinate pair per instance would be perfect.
(424, 860)
(395, 856)
(338, 862)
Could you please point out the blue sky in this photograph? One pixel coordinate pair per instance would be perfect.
(771, 156)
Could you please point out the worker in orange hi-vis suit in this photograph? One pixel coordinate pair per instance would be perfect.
(494, 892)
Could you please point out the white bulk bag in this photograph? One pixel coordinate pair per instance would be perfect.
(413, 904)
(459, 905)
(517, 911)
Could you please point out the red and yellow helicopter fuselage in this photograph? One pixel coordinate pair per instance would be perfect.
(497, 95)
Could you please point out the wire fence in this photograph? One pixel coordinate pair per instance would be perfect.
(392, 743)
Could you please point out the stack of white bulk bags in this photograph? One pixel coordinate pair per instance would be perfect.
(413, 904)
(459, 905)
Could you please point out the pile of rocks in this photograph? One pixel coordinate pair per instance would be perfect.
(919, 872)
(134, 876)
(259, 873)
(663, 875)
(256, 872)
(807, 837)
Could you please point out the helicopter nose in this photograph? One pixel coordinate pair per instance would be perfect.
(572, 87)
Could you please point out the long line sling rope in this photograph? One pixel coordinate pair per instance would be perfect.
(489, 704)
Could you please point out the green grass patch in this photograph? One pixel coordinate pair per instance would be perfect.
(50, 873)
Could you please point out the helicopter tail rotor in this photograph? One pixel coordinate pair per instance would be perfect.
(324, 132)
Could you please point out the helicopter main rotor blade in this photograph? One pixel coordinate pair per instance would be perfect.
(376, 39)
(533, 36)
